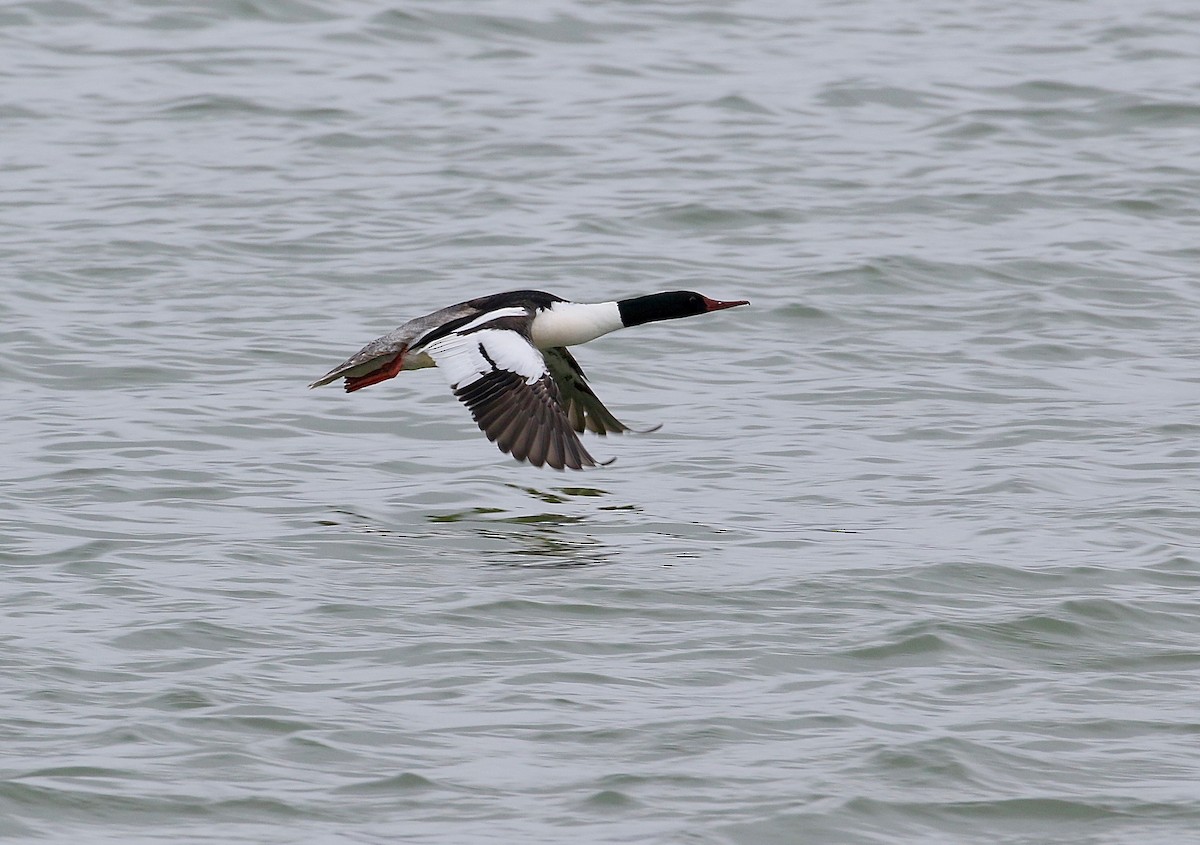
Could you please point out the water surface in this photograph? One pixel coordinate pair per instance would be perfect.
(913, 557)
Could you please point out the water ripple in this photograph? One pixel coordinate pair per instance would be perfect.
(911, 559)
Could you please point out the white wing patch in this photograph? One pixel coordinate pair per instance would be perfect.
(489, 316)
(464, 359)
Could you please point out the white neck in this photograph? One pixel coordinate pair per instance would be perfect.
(571, 323)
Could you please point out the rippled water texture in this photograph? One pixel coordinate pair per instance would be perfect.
(913, 558)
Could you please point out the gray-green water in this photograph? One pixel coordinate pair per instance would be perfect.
(913, 558)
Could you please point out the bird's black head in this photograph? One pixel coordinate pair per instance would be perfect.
(669, 306)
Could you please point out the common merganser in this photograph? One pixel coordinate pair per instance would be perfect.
(505, 358)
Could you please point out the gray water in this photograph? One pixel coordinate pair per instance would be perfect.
(912, 559)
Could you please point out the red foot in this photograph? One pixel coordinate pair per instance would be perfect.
(387, 371)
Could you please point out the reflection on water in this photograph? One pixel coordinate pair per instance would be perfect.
(534, 538)
(548, 547)
(545, 539)
(564, 494)
(460, 516)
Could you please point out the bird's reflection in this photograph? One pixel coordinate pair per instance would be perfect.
(549, 538)
(546, 539)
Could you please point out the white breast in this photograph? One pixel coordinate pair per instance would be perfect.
(571, 323)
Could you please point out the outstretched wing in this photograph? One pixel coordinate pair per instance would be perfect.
(496, 371)
(583, 407)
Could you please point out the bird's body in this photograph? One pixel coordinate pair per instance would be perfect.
(505, 358)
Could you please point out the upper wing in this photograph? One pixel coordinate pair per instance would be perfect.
(584, 409)
(503, 380)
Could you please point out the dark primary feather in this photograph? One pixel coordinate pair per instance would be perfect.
(524, 419)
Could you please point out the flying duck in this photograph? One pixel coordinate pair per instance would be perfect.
(505, 358)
